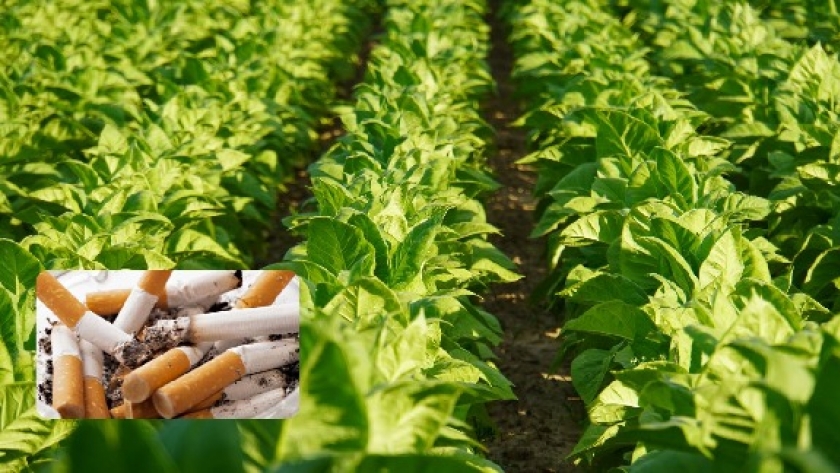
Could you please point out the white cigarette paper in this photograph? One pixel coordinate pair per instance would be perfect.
(211, 284)
(248, 408)
(92, 359)
(254, 384)
(64, 342)
(264, 356)
(136, 310)
(102, 334)
(286, 408)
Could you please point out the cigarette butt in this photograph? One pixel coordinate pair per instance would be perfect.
(185, 392)
(233, 324)
(209, 402)
(68, 374)
(142, 410)
(174, 295)
(154, 281)
(266, 288)
(136, 310)
(118, 412)
(248, 408)
(68, 387)
(59, 300)
(104, 335)
(204, 286)
(107, 302)
(95, 405)
(140, 383)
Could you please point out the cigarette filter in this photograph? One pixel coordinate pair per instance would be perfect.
(68, 380)
(266, 288)
(96, 407)
(179, 294)
(129, 410)
(140, 383)
(141, 300)
(185, 392)
(74, 314)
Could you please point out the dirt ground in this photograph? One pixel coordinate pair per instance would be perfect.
(536, 432)
(541, 428)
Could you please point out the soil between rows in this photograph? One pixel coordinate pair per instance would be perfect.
(541, 428)
(537, 431)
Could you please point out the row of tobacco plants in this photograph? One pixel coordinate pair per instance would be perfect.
(150, 135)
(691, 227)
(398, 366)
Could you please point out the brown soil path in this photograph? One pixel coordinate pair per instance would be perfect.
(539, 430)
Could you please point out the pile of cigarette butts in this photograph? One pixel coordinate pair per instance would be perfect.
(166, 353)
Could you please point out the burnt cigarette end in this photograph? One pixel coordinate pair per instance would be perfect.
(165, 334)
(238, 275)
(133, 353)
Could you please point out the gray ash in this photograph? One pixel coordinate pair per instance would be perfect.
(164, 334)
(134, 353)
(291, 371)
(45, 389)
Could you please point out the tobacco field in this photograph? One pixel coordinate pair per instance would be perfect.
(532, 235)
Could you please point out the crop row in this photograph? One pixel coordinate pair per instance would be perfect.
(686, 348)
(398, 363)
(147, 135)
(177, 122)
(777, 102)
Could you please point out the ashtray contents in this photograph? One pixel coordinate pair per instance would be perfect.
(167, 344)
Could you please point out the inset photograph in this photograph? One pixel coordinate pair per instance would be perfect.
(168, 344)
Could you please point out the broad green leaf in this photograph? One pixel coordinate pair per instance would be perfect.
(122, 446)
(613, 318)
(588, 372)
(188, 442)
(417, 247)
(338, 247)
(24, 434)
(408, 416)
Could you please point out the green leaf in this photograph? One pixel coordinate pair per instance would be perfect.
(121, 445)
(588, 372)
(613, 318)
(189, 441)
(24, 434)
(414, 250)
(338, 246)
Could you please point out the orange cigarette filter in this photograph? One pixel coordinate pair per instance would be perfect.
(154, 281)
(58, 299)
(187, 391)
(265, 289)
(141, 410)
(95, 405)
(140, 383)
(68, 387)
(208, 403)
(108, 302)
(118, 412)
